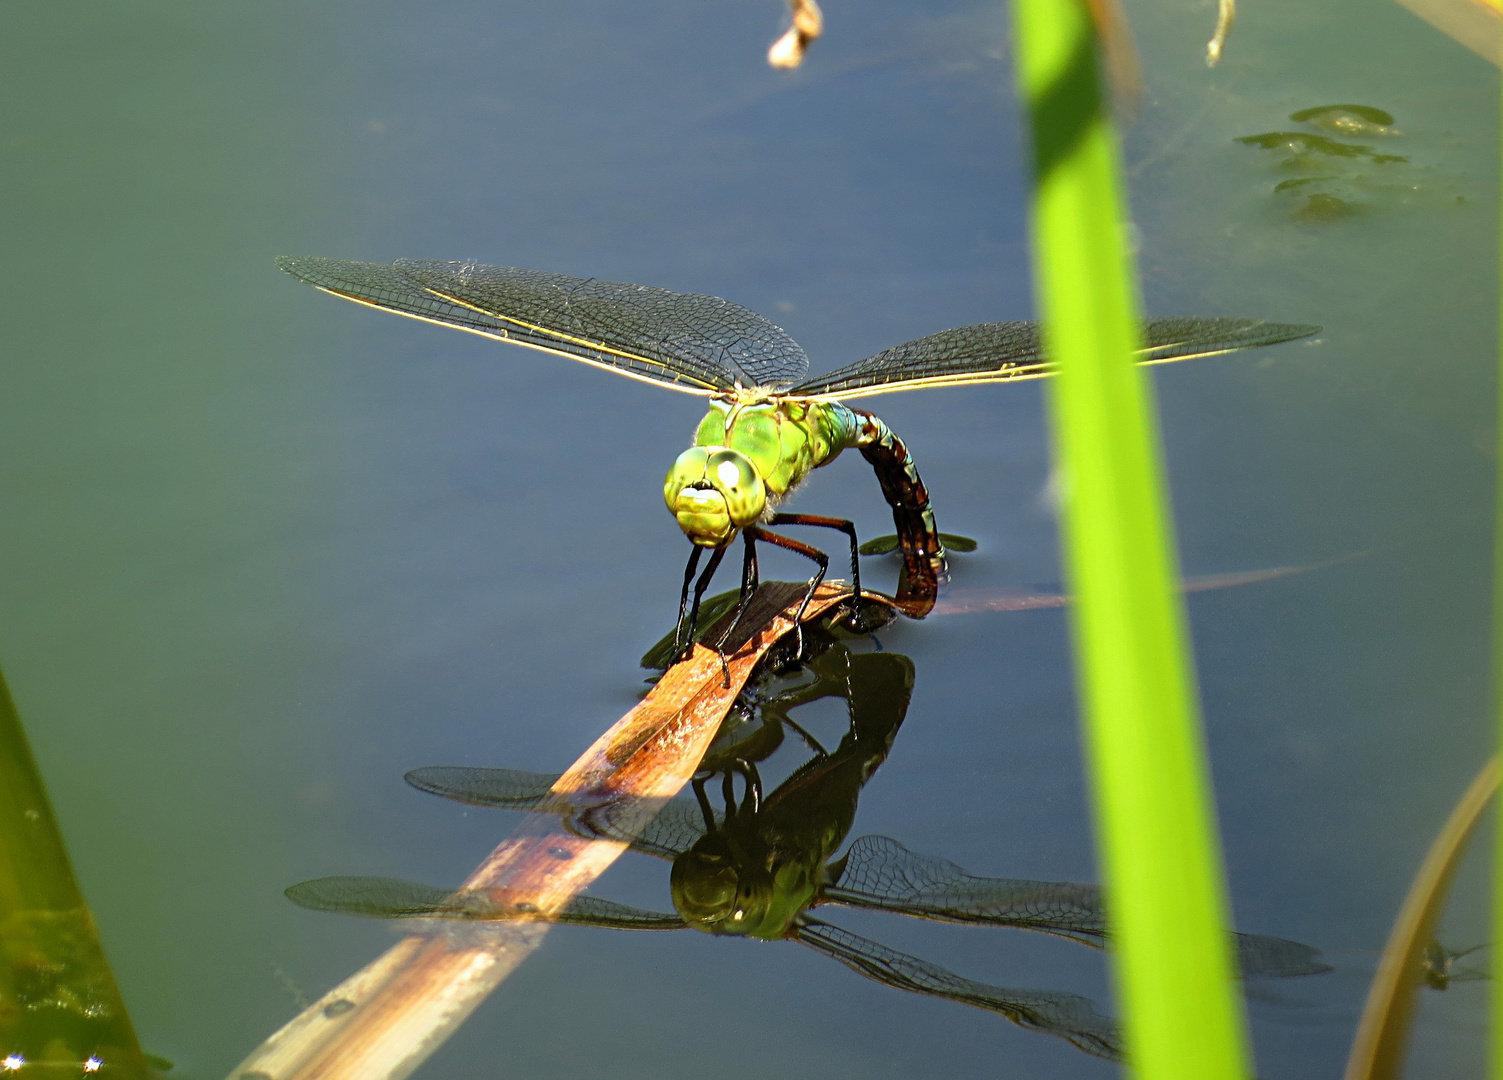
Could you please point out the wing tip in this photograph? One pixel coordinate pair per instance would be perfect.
(294, 264)
(322, 272)
(310, 269)
(1280, 332)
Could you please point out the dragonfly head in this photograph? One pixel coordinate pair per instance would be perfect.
(714, 492)
(722, 890)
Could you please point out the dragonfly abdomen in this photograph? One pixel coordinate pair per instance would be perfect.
(924, 566)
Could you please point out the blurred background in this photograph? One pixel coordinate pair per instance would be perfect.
(261, 552)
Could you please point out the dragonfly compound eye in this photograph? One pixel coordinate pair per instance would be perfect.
(704, 890)
(713, 492)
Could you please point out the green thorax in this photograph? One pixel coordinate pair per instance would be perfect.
(784, 437)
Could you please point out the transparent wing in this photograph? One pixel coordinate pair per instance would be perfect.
(392, 898)
(504, 789)
(677, 827)
(881, 873)
(1069, 1016)
(692, 343)
(1007, 351)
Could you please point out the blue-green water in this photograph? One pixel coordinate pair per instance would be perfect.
(262, 552)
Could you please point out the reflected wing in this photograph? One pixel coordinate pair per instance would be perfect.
(392, 898)
(881, 873)
(1262, 957)
(696, 344)
(677, 827)
(1069, 1016)
(1007, 351)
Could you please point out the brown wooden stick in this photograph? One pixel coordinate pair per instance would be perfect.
(383, 1021)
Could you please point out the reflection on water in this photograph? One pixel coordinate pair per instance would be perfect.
(1335, 177)
(1347, 119)
(751, 863)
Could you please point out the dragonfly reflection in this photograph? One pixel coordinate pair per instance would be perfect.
(755, 864)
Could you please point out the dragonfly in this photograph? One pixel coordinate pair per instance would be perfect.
(1439, 969)
(756, 866)
(769, 423)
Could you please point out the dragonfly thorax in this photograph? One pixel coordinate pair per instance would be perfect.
(751, 449)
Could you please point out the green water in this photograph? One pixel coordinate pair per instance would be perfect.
(262, 552)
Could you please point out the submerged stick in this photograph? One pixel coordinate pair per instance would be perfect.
(383, 1021)
(1378, 1049)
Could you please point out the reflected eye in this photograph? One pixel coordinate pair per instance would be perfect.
(728, 474)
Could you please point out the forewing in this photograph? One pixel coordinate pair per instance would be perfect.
(1263, 957)
(697, 344)
(675, 829)
(505, 789)
(392, 898)
(1009, 351)
(385, 898)
(881, 873)
(1069, 1016)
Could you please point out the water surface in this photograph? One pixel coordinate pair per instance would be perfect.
(262, 552)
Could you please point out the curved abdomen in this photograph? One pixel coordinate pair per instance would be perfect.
(924, 567)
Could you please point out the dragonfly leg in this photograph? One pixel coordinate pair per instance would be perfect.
(683, 597)
(698, 783)
(809, 740)
(844, 526)
(750, 578)
(728, 793)
(814, 553)
(749, 581)
(751, 800)
(699, 592)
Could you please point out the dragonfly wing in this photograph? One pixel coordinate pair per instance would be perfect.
(1262, 957)
(1069, 1016)
(506, 789)
(678, 825)
(1009, 351)
(392, 898)
(881, 873)
(387, 898)
(609, 915)
(697, 344)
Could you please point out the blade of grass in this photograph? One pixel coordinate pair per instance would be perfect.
(1496, 1041)
(1378, 1050)
(58, 997)
(1155, 819)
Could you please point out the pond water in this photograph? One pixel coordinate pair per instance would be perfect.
(261, 552)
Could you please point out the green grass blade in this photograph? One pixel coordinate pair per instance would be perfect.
(58, 998)
(1496, 1042)
(1155, 818)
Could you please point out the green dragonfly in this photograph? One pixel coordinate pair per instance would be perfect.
(755, 865)
(769, 424)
